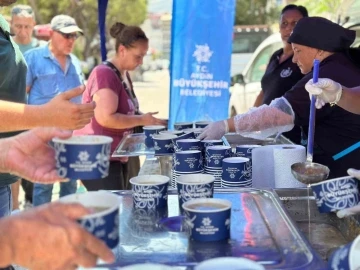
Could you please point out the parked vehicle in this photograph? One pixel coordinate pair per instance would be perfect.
(246, 38)
(245, 86)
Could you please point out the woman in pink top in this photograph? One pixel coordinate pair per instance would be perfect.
(109, 85)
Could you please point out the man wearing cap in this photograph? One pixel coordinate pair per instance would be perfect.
(336, 130)
(52, 70)
(22, 25)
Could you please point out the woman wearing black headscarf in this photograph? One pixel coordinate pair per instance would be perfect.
(336, 129)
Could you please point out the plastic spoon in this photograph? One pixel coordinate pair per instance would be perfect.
(309, 172)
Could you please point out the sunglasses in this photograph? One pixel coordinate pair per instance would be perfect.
(69, 36)
(18, 10)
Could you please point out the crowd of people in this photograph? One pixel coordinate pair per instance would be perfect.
(42, 91)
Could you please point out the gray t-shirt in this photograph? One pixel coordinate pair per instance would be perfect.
(33, 44)
(12, 80)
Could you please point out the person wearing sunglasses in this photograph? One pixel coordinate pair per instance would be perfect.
(22, 26)
(53, 70)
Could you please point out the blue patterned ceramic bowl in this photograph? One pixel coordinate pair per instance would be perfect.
(187, 144)
(336, 194)
(183, 125)
(202, 124)
(196, 131)
(215, 154)
(83, 157)
(163, 144)
(346, 257)
(208, 219)
(194, 186)
(236, 169)
(187, 161)
(150, 191)
(149, 132)
(104, 222)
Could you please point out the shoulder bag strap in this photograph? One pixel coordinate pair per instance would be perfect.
(129, 92)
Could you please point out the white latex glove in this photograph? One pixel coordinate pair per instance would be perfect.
(326, 90)
(355, 210)
(214, 131)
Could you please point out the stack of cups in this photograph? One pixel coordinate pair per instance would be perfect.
(214, 156)
(236, 172)
(187, 144)
(186, 162)
(246, 152)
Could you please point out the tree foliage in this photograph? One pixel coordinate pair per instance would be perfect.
(85, 13)
(255, 12)
(324, 8)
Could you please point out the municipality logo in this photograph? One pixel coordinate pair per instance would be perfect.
(202, 53)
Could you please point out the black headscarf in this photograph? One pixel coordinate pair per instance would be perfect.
(320, 33)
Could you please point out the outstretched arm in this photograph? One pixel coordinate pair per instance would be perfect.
(59, 112)
(48, 237)
(329, 91)
(30, 156)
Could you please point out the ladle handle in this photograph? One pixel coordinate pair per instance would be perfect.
(310, 146)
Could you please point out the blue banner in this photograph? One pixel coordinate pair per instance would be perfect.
(200, 60)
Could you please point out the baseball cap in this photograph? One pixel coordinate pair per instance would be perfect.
(65, 24)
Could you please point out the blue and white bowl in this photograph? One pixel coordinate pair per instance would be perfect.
(206, 143)
(194, 186)
(187, 161)
(84, 157)
(196, 131)
(202, 124)
(245, 150)
(346, 257)
(163, 144)
(150, 191)
(336, 194)
(187, 144)
(172, 132)
(208, 219)
(104, 222)
(183, 125)
(214, 155)
(184, 136)
(236, 169)
(149, 132)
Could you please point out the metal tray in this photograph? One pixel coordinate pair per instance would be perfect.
(260, 230)
(233, 139)
(325, 231)
(133, 145)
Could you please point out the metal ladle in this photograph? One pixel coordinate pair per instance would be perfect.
(309, 172)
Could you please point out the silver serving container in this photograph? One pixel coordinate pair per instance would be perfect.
(260, 230)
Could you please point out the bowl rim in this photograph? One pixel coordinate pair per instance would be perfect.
(333, 180)
(226, 203)
(69, 141)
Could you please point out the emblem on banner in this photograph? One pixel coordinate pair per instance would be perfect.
(202, 53)
(285, 73)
